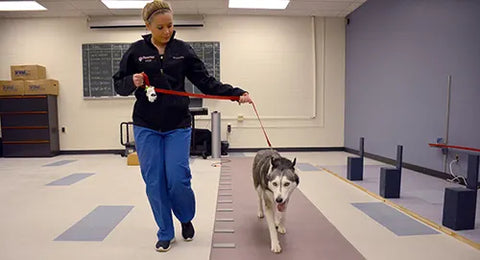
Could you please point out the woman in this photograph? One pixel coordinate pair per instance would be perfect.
(162, 128)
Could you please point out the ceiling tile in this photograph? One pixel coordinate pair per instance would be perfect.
(89, 4)
(215, 11)
(212, 4)
(351, 8)
(97, 12)
(63, 13)
(61, 8)
(183, 4)
(126, 12)
(57, 5)
(67, 13)
(319, 5)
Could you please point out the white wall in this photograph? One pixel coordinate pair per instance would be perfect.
(293, 68)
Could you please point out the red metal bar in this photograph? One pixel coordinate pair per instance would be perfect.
(23, 97)
(23, 112)
(455, 147)
(27, 142)
(25, 127)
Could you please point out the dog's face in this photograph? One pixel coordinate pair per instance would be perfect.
(282, 181)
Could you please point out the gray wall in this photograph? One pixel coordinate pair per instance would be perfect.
(399, 54)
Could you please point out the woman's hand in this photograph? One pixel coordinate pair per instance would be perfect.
(245, 98)
(138, 80)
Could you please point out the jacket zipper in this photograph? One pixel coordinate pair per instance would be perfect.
(165, 52)
(161, 62)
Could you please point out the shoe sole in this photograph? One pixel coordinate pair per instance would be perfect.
(188, 239)
(161, 249)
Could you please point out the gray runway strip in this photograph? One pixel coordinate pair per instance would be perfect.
(309, 234)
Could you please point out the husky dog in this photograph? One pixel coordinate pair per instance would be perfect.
(274, 179)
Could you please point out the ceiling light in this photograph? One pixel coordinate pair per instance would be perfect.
(258, 4)
(20, 6)
(120, 4)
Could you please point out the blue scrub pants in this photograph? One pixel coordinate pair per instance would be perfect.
(164, 163)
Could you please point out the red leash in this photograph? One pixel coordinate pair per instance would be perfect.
(263, 129)
(187, 94)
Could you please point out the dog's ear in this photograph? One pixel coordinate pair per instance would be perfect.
(296, 179)
(274, 162)
(293, 163)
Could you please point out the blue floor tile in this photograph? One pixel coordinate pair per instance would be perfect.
(59, 163)
(96, 225)
(393, 220)
(70, 179)
(306, 167)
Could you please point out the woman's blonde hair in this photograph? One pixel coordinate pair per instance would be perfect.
(153, 8)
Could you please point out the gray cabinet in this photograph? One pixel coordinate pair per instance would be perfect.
(29, 125)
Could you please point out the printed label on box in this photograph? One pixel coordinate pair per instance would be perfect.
(9, 88)
(35, 87)
(21, 73)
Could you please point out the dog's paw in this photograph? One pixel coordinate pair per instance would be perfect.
(260, 214)
(276, 248)
(281, 229)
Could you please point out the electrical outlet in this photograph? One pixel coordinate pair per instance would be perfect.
(457, 158)
(63, 129)
(229, 128)
(240, 118)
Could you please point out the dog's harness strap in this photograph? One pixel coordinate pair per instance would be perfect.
(187, 94)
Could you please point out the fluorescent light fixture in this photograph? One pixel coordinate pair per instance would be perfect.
(120, 4)
(20, 6)
(258, 4)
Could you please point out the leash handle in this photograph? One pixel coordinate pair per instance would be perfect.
(180, 93)
(145, 79)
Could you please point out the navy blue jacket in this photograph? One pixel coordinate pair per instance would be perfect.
(168, 112)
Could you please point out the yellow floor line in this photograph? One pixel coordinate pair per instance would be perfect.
(410, 213)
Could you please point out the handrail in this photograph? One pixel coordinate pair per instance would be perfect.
(455, 147)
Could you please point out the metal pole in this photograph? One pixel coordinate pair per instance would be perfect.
(447, 126)
(216, 137)
(399, 157)
(472, 171)
(361, 149)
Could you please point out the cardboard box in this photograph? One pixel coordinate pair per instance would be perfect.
(19, 72)
(41, 87)
(12, 87)
(132, 159)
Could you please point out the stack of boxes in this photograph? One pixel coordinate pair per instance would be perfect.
(28, 113)
(28, 80)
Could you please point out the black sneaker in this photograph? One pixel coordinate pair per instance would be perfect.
(188, 231)
(164, 245)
